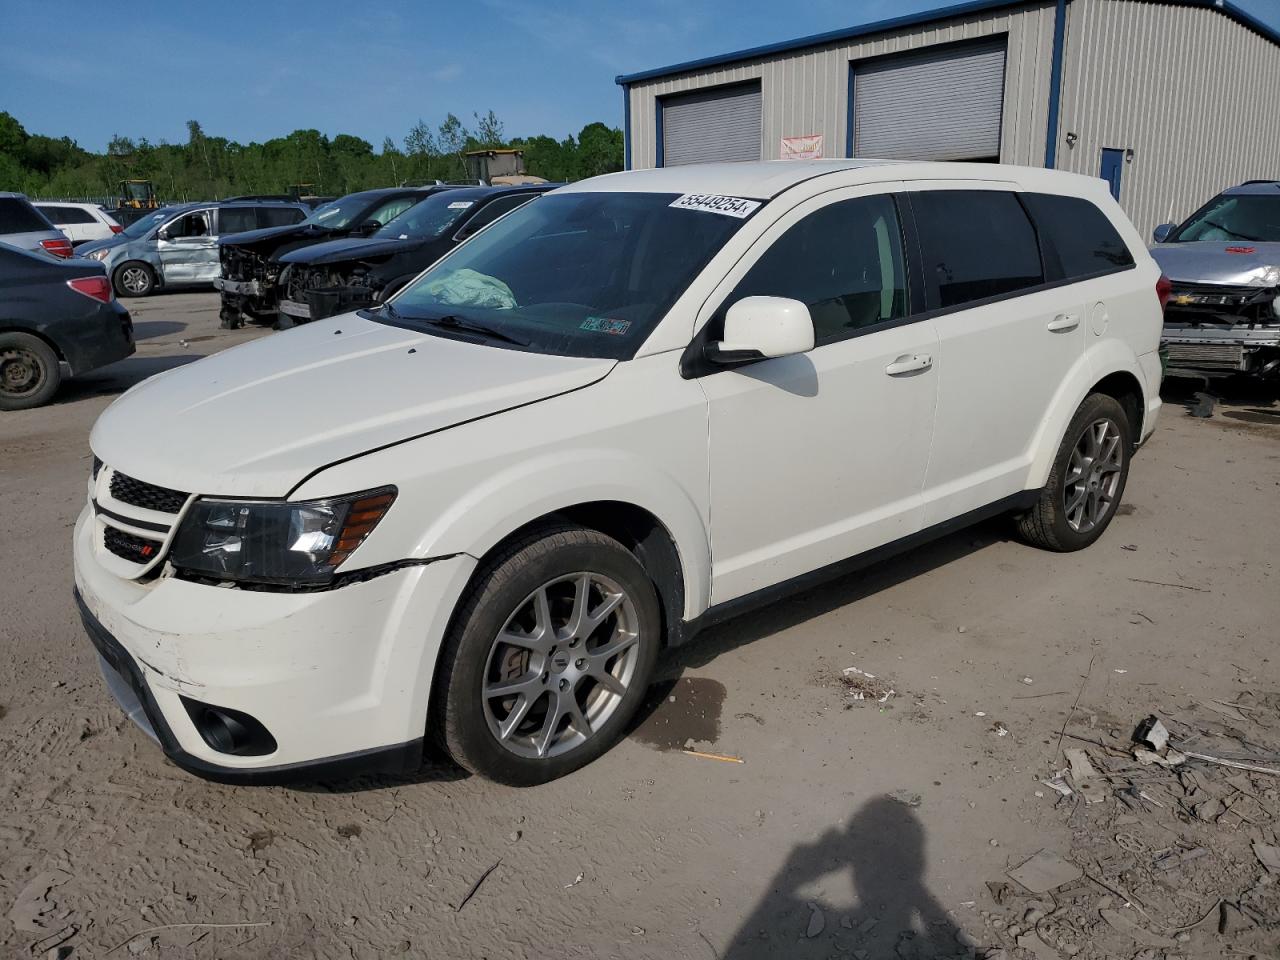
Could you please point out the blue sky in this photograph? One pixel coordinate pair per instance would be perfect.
(251, 71)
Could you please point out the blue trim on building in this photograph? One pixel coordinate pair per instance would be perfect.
(1055, 85)
(1224, 7)
(849, 118)
(626, 127)
(658, 147)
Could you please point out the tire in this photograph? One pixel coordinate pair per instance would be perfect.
(133, 278)
(547, 670)
(29, 372)
(1076, 507)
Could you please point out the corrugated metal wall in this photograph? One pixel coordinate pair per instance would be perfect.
(806, 92)
(1194, 94)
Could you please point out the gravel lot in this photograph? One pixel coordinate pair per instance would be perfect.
(851, 823)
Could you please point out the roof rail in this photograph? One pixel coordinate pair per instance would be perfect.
(1250, 183)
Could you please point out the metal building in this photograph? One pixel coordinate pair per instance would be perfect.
(1169, 100)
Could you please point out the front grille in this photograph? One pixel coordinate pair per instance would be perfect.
(1206, 356)
(146, 495)
(137, 550)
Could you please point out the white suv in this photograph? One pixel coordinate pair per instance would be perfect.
(632, 407)
(81, 222)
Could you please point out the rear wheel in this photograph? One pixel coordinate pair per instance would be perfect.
(29, 371)
(549, 657)
(134, 279)
(1087, 481)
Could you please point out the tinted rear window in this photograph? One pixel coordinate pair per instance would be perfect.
(977, 244)
(278, 216)
(237, 219)
(1079, 233)
(19, 216)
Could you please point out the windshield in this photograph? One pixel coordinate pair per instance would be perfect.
(338, 214)
(575, 274)
(140, 228)
(1241, 216)
(426, 220)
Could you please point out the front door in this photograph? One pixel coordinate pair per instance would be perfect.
(821, 456)
(1112, 169)
(188, 250)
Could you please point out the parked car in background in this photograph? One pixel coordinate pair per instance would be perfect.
(1223, 312)
(329, 278)
(478, 511)
(250, 262)
(81, 222)
(57, 318)
(25, 227)
(178, 246)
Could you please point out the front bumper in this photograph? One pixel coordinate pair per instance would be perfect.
(340, 678)
(243, 288)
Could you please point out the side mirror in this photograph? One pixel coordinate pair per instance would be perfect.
(1161, 233)
(757, 328)
(370, 226)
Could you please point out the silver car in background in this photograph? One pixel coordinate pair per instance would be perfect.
(25, 227)
(1223, 312)
(178, 246)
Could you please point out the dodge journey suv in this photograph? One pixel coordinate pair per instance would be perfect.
(629, 408)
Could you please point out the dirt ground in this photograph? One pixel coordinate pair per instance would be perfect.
(853, 828)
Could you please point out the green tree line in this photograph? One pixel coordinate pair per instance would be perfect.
(208, 167)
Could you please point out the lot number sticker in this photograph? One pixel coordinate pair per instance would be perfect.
(714, 203)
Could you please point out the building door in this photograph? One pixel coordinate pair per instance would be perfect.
(1112, 169)
(944, 103)
(719, 124)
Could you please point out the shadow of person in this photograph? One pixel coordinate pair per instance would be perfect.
(882, 851)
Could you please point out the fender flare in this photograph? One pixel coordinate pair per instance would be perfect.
(1098, 362)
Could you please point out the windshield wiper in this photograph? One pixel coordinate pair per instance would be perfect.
(451, 322)
(1242, 236)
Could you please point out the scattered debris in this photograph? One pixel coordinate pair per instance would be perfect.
(1203, 407)
(576, 880)
(188, 926)
(476, 886)
(1085, 777)
(1059, 783)
(999, 729)
(1161, 583)
(1045, 871)
(713, 756)
(1268, 856)
(906, 798)
(817, 922)
(1171, 859)
(1153, 733)
(1120, 921)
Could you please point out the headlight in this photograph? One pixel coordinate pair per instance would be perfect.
(267, 541)
(98, 254)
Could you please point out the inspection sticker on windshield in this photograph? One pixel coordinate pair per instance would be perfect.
(714, 203)
(605, 325)
(461, 204)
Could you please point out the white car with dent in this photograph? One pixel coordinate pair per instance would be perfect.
(640, 404)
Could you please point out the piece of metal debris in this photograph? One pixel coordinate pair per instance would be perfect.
(1045, 871)
(576, 880)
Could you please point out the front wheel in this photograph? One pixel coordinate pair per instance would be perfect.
(549, 657)
(1087, 480)
(134, 279)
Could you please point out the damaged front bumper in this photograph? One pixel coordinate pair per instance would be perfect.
(243, 288)
(1218, 330)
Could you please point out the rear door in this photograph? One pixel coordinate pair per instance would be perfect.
(1007, 336)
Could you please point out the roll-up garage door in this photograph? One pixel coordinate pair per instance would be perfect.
(940, 104)
(711, 125)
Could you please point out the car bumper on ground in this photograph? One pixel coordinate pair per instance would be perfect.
(339, 678)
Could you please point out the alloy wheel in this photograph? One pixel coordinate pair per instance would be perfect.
(1093, 475)
(561, 665)
(134, 279)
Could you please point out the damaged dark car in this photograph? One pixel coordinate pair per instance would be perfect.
(1222, 316)
(251, 260)
(344, 275)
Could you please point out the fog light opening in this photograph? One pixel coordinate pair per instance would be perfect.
(229, 731)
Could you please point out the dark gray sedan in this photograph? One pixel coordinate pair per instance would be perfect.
(58, 318)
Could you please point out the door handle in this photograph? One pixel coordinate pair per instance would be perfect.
(1063, 322)
(909, 363)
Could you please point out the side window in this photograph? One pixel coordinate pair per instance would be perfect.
(492, 212)
(56, 215)
(279, 216)
(237, 219)
(391, 209)
(844, 261)
(976, 244)
(77, 215)
(1084, 240)
(192, 225)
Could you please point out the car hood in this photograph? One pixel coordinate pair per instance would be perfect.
(115, 240)
(249, 237)
(355, 248)
(257, 419)
(1244, 264)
